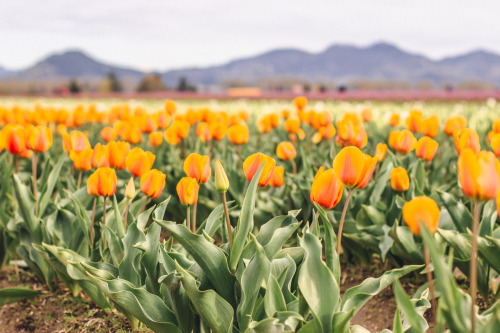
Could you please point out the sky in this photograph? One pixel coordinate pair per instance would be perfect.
(167, 34)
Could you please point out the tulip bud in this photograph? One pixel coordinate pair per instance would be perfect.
(399, 180)
(130, 189)
(421, 209)
(221, 181)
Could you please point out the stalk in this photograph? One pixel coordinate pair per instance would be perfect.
(238, 149)
(431, 283)
(342, 219)
(188, 218)
(228, 222)
(35, 192)
(143, 207)
(125, 216)
(195, 206)
(294, 166)
(79, 180)
(92, 224)
(104, 221)
(473, 265)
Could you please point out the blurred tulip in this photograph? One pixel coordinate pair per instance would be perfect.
(466, 138)
(292, 125)
(102, 182)
(300, 102)
(402, 141)
(203, 132)
(198, 167)
(264, 125)
(108, 134)
(286, 151)
(100, 157)
(277, 177)
(82, 160)
(495, 143)
(25, 154)
(414, 121)
(479, 174)
(353, 167)
(170, 106)
(326, 189)
(39, 138)
(12, 138)
(76, 141)
(134, 134)
(394, 120)
(118, 152)
(187, 190)
(238, 134)
(351, 133)
(155, 139)
(399, 180)
(421, 209)
(221, 180)
(381, 152)
(147, 123)
(426, 148)
(430, 126)
(139, 162)
(367, 115)
(454, 123)
(254, 162)
(152, 183)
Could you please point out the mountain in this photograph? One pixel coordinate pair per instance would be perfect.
(74, 64)
(339, 63)
(5, 73)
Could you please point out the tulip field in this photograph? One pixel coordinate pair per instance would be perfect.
(250, 216)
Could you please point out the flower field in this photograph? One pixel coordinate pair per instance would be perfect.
(237, 216)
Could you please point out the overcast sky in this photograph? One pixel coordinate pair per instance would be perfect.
(164, 34)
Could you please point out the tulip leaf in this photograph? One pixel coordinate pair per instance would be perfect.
(417, 322)
(273, 299)
(332, 258)
(317, 284)
(210, 257)
(27, 209)
(213, 309)
(48, 188)
(245, 221)
(269, 325)
(11, 295)
(460, 215)
(179, 300)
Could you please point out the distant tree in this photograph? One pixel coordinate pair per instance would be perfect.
(74, 87)
(342, 89)
(184, 85)
(151, 82)
(114, 84)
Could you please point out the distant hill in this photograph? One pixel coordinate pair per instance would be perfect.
(4, 72)
(339, 64)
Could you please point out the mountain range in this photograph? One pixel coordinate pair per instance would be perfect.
(338, 63)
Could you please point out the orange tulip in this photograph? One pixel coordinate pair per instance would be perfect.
(399, 180)
(155, 139)
(76, 141)
(349, 132)
(187, 190)
(170, 106)
(292, 125)
(118, 152)
(102, 182)
(217, 130)
(171, 136)
(82, 160)
(139, 162)
(430, 126)
(254, 162)
(162, 119)
(238, 134)
(353, 167)
(148, 123)
(152, 183)
(414, 121)
(426, 148)
(286, 151)
(277, 177)
(454, 123)
(421, 209)
(108, 134)
(495, 143)
(300, 102)
(367, 115)
(203, 132)
(134, 134)
(264, 124)
(498, 205)
(326, 189)
(198, 167)
(478, 174)
(402, 141)
(381, 152)
(12, 138)
(326, 132)
(27, 153)
(466, 138)
(395, 120)
(100, 158)
(38, 139)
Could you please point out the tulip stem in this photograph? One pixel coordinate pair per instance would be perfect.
(35, 192)
(377, 170)
(183, 151)
(16, 164)
(473, 265)
(342, 219)
(143, 207)
(188, 218)
(79, 180)
(431, 282)
(104, 222)
(238, 149)
(125, 216)
(193, 224)
(294, 166)
(92, 224)
(228, 222)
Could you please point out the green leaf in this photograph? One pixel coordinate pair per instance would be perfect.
(332, 258)
(460, 215)
(269, 325)
(213, 309)
(27, 209)
(417, 322)
(179, 301)
(317, 284)
(48, 188)
(245, 221)
(11, 295)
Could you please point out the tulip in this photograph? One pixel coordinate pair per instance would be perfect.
(82, 160)
(155, 139)
(170, 106)
(466, 138)
(353, 167)
(171, 136)
(253, 163)
(76, 141)
(300, 102)
(118, 151)
(198, 167)
(430, 126)
(426, 148)
(381, 152)
(217, 130)
(102, 182)
(277, 177)
(12, 138)
(147, 124)
(292, 125)
(351, 132)
(399, 180)
(130, 189)
(38, 139)
(414, 121)
(238, 134)
(402, 141)
(264, 125)
(108, 134)
(187, 190)
(495, 143)
(454, 123)
(139, 162)
(286, 151)
(326, 189)
(478, 174)
(395, 120)
(152, 183)
(100, 158)
(367, 115)
(134, 134)
(203, 132)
